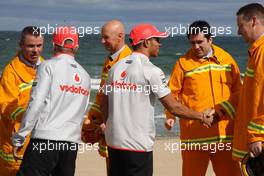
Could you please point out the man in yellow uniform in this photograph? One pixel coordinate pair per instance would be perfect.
(202, 78)
(249, 106)
(16, 82)
(113, 39)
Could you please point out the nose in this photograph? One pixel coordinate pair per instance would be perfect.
(35, 48)
(102, 40)
(196, 46)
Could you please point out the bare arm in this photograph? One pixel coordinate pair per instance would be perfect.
(180, 110)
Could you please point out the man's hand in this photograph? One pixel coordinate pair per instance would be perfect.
(15, 155)
(102, 127)
(85, 128)
(92, 132)
(255, 149)
(18, 142)
(86, 121)
(208, 117)
(169, 123)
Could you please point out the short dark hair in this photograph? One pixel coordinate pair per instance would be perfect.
(250, 10)
(199, 26)
(137, 46)
(29, 30)
(134, 47)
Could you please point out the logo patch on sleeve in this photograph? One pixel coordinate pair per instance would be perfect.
(34, 83)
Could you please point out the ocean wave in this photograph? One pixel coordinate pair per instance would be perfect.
(178, 53)
(95, 83)
(160, 116)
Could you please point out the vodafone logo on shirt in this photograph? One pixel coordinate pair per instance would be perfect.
(77, 79)
(74, 89)
(123, 75)
(123, 85)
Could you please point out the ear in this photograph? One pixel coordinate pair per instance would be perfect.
(254, 21)
(210, 40)
(75, 49)
(146, 43)
(121, 35)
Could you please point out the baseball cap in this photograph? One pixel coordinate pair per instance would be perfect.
(146, 31)
(64, 33)
(253, 166)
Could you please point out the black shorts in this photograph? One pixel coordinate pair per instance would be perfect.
(130, 163)
(49, 158)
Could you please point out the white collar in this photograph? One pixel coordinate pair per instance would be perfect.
(140, 55)
(210, 53)
(21, 57)
(113, 56)
(261, 35)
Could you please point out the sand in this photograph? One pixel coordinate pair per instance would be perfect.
(167, 162)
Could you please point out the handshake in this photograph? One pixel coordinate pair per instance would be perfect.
(210, 117)
(207, 118)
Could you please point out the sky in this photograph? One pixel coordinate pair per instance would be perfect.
(92, 14)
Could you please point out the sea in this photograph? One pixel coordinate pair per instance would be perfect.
(91, 55)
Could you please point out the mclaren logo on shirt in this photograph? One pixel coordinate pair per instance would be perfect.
(74, 89)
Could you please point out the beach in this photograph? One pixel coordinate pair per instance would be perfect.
(166, 162)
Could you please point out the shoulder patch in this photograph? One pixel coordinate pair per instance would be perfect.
(73, 65)
(129, 61)
(35, 82)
